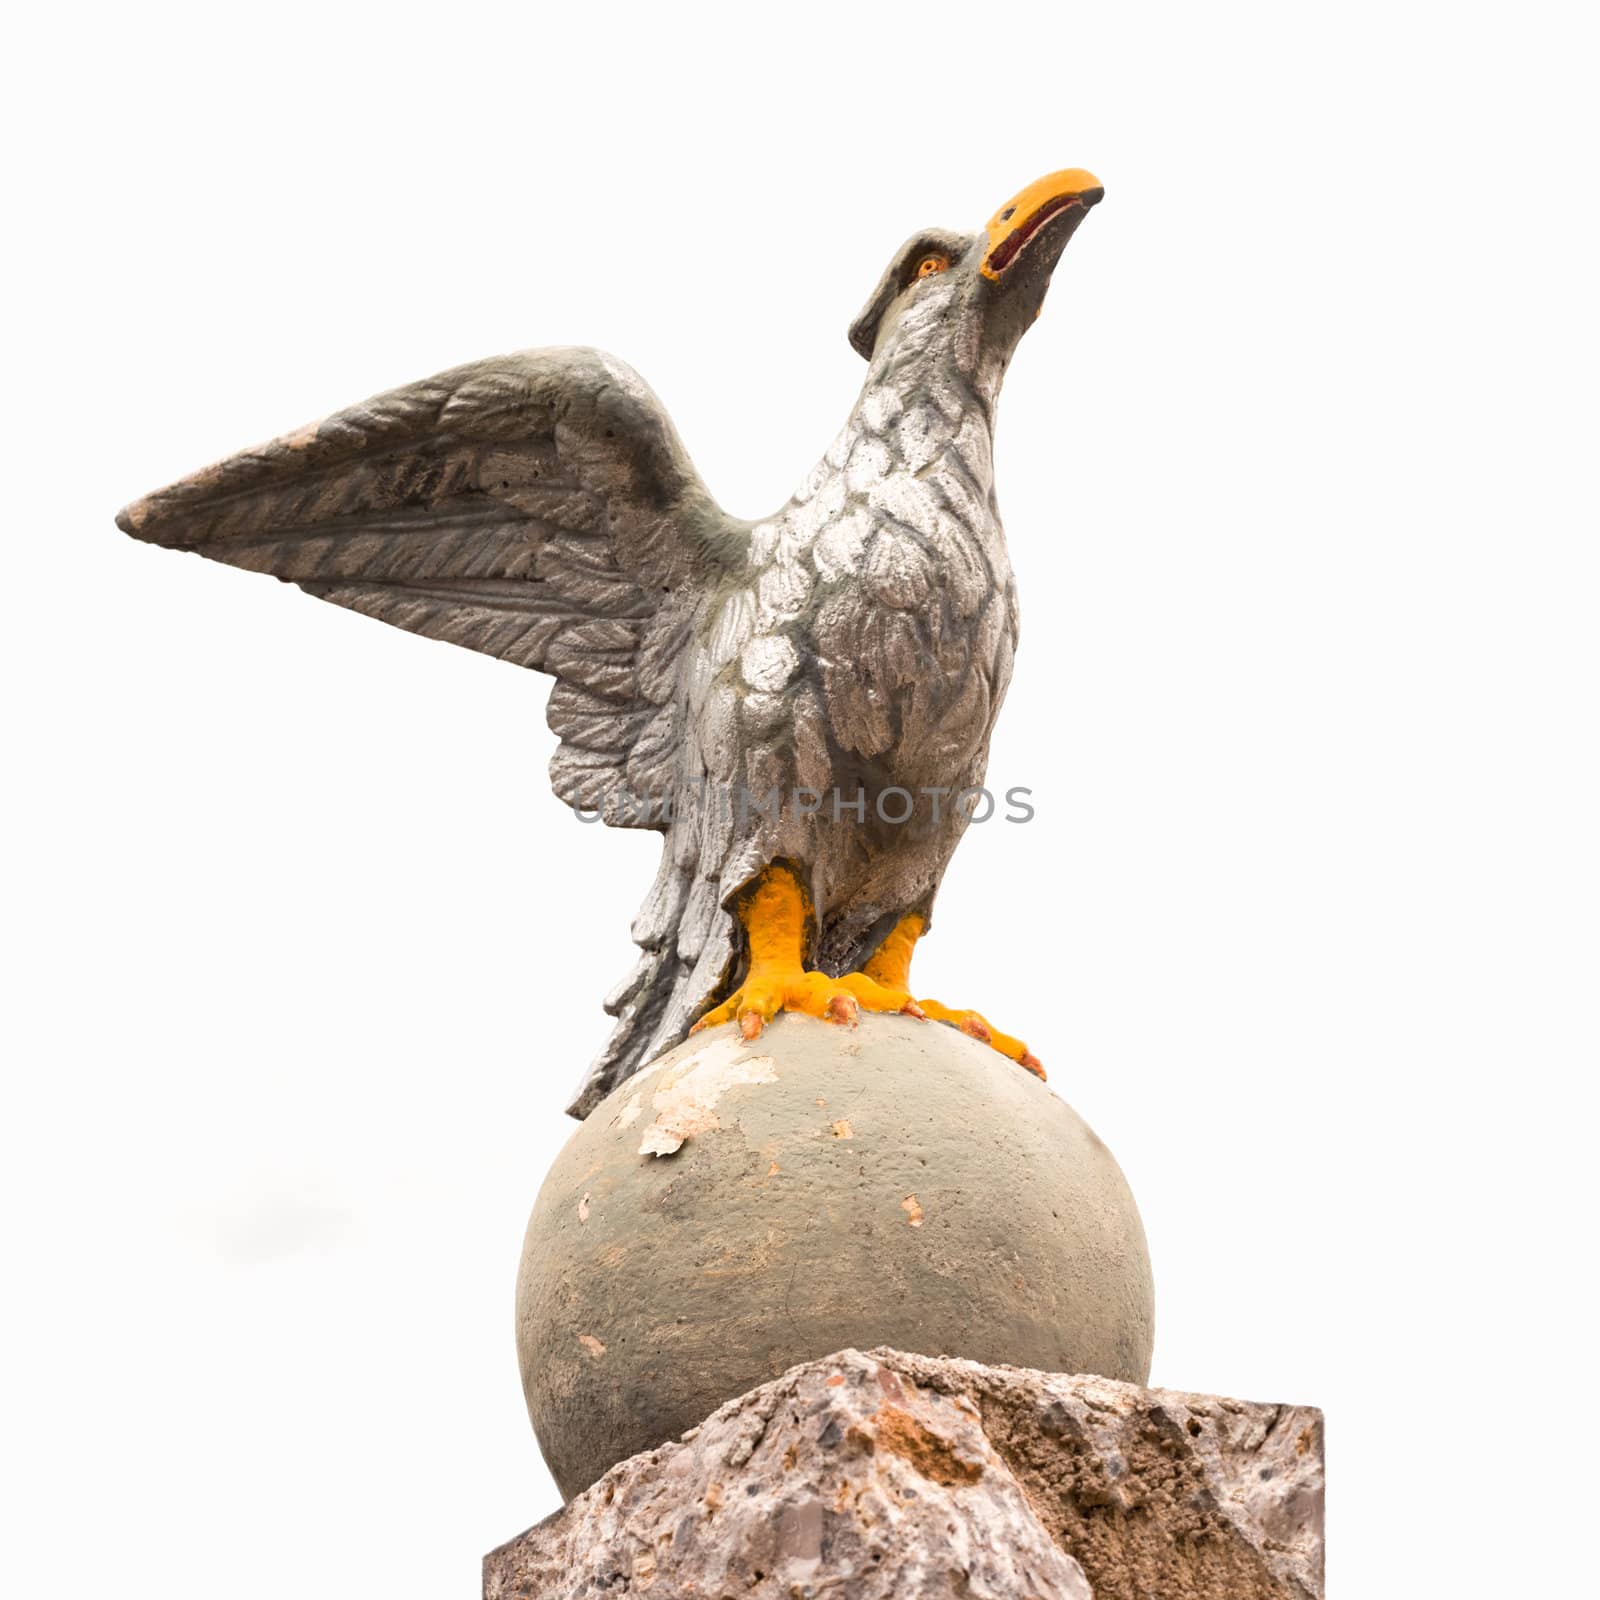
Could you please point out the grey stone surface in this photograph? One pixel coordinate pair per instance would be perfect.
(739, 1208)
(893, 1475)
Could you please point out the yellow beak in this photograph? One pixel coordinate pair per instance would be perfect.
(1019, 218)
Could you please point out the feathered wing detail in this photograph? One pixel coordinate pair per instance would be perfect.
(538, 507)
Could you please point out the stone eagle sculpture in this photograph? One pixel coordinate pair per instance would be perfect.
(797, 704)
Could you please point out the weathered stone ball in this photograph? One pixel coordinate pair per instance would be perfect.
(738, 1208)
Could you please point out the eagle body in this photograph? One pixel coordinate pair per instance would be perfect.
(839, 691)
(815, 689)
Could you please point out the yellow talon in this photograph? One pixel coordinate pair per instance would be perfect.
(776, 917)
(977, 1026)
(892, 966)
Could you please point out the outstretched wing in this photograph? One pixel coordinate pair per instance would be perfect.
(538, 507)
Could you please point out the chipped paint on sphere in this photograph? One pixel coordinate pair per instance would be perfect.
(896, 1183)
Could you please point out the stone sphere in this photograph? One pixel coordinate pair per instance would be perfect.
(738, 1208)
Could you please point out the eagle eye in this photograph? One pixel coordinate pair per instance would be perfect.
(935, 261)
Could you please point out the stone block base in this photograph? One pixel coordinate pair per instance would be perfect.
(887, 1474)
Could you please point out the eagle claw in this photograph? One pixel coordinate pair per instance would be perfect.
(774, 987)
(977, 1026)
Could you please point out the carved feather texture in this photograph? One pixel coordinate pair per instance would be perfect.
(540, 508)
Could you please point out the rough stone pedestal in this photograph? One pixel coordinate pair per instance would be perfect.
(894, 1475)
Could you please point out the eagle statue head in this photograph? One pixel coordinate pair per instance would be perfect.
(991, 284)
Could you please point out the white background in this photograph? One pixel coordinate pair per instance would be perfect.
(1297, 470)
